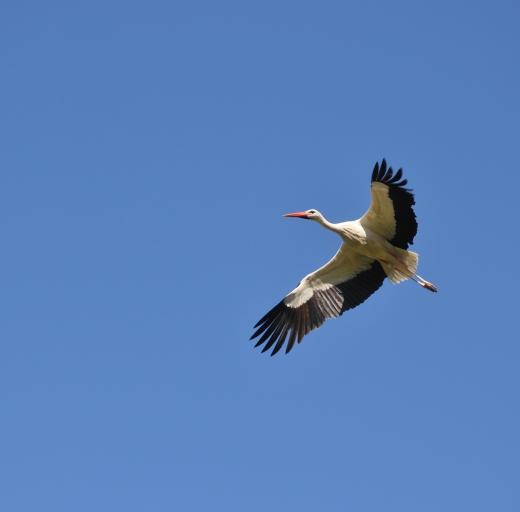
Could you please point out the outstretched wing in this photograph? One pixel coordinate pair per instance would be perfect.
(391, 211)
(346, 281)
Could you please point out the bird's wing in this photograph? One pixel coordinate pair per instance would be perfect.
(343, 283)
(391, 212)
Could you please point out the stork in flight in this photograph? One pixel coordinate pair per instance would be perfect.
(374, 247)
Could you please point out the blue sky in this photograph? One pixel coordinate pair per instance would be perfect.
(148, 153)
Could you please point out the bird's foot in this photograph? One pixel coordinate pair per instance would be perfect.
(428, 286)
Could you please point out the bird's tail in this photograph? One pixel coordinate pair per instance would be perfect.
(403, 268)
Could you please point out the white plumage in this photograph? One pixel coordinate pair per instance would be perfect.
(374, 247)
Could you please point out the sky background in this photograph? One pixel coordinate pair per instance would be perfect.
(148, 151)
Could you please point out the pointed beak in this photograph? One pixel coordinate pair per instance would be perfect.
(301, 215)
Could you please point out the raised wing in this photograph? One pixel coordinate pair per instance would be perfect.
(391, 211)
(346, 281)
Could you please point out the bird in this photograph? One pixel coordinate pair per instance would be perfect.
(374, 247)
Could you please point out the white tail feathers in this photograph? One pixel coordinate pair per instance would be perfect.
(412, 260)
(404, 267)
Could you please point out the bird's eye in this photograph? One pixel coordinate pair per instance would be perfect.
(312, 211)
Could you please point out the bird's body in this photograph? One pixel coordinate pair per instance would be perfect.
(374, 247)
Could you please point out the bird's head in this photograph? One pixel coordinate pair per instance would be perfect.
(308, 214)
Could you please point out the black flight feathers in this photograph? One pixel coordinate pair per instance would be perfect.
(282, 321)
(386, 176)
(402, 200)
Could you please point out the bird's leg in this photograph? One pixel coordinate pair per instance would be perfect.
(425, 284)
(412, 275)
(405, 271)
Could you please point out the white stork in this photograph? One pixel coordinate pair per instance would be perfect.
(374, 247)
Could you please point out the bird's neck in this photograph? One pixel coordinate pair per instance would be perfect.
(329, 225)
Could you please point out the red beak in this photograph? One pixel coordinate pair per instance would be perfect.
(301, 215)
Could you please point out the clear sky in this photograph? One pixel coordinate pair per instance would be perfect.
(149, 150)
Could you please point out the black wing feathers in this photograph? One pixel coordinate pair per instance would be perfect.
(274, 327)
(358, 290)
(403, 201)
(276, 324)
